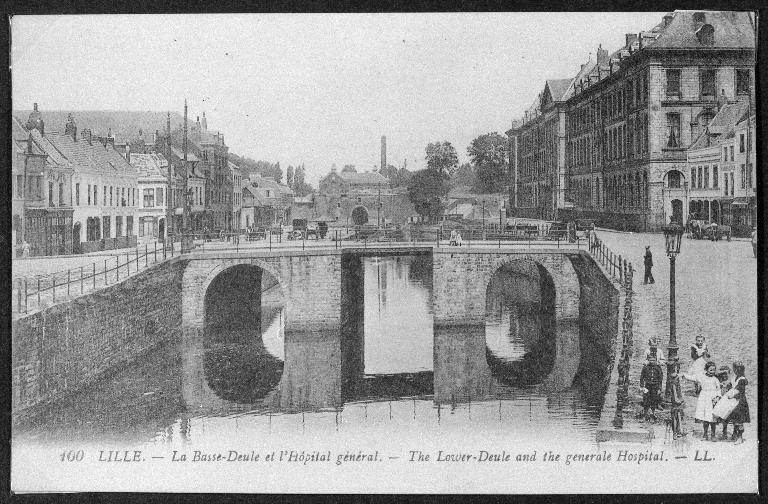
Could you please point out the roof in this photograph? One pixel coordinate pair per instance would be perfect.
(93, 157)
(150, 165)
(268, 183)
(558, 88)
(179, 154)
(721, 126)
(364, 178)
(125, 125)
(732, 29)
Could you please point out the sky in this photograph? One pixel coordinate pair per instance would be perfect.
(318, 89)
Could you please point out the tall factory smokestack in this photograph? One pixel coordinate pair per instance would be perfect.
(383, 154)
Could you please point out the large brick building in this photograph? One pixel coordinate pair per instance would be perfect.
(602, 146)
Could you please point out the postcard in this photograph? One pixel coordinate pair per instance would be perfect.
(385, 253)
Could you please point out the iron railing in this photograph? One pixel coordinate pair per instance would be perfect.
(33, 293)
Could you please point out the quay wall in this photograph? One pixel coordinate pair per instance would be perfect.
(67, 346)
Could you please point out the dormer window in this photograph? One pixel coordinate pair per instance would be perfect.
(698, 17)
(706, 35)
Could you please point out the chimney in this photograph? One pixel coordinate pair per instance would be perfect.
(71, 128)
(630, 39)
(602, 55)
(383, 152)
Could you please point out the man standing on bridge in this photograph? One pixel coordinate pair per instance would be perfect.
(648, 265)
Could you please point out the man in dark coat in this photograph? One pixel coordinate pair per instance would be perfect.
(648, 265)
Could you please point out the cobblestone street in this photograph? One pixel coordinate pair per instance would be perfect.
(716, 294)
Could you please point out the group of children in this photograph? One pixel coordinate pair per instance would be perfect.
(719, 399)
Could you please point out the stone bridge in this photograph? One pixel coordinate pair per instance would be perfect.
(315, 284)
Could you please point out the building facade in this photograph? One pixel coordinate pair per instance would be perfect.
(631, 116)
(237, 194)
(154, 195)
(41, 202)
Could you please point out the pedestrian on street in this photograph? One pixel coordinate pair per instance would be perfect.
(653, 349)
(648, 260)
(725, 385)
(699, 356)
(674, 395)
(708, 396)
(740, 414)
(651, 378)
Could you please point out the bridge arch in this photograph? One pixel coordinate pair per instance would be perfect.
(558, 297)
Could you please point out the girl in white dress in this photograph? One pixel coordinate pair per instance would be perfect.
(699, 356)
(709, 393)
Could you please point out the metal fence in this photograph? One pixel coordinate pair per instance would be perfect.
(33, 293)
(613, 263)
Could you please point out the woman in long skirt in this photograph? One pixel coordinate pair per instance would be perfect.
(699, 356)
(709, 393)
(740, 414)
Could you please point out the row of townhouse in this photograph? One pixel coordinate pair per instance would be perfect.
(106, 186)
(71, 193)
(720, 180)
(601, 144)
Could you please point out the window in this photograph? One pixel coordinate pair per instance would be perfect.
(707, 84)
(118, 226)
(693, 178)
(725, 153)
(111, 199)
(743, 83)
(715, 177)
(673, 130)
(741, 142)
(743, 177)
(104, 196)
(77, 194)
(700, 181)
(706, 177)
(89, 194)
(149, 198)
(122, 196)
(107, 231)
(673, 179)
(20, 186)
(50, 194)
(160, 196)
(129, 226)
(749, 176)
(725, 181)
(731, 152)
(673, 82)
(61, 194)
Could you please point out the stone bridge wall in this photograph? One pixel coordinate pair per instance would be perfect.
(310, 282)
(69, 345)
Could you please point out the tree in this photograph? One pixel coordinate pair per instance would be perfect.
(489, 156)
(464, 175)
(277, 173)
(289, 176)
(349, 168)
(391, 173)
(442, 157)
(426, 190)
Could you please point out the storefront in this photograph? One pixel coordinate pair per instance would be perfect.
(49, 232)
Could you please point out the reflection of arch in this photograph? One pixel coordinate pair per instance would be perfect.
(359, 215)
(237, 364)
(527, 290)
(565, 319)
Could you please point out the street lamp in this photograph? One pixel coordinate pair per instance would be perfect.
(673, 234)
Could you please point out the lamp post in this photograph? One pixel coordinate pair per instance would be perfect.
(673, 234)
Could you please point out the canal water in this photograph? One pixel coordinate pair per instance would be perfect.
(405, 378)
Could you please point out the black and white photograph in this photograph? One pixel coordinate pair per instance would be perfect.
(506, 252)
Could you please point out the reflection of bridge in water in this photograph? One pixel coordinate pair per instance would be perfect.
(555, 304)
